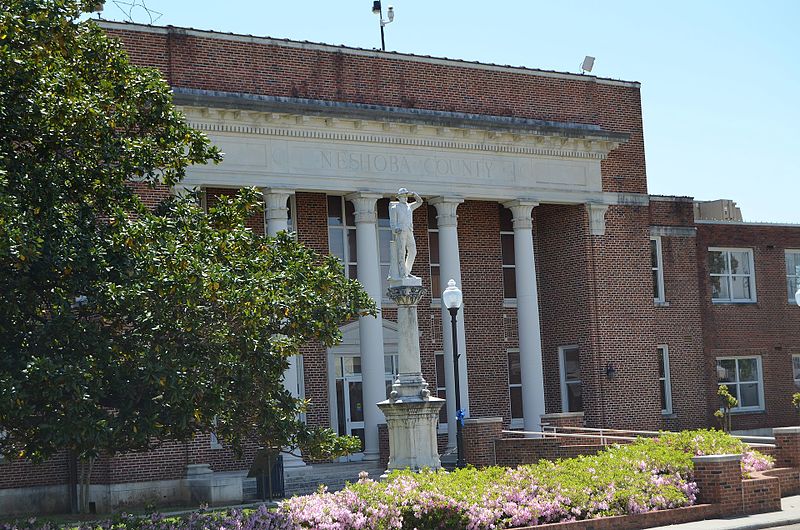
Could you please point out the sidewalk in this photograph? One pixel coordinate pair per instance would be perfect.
(789, 515)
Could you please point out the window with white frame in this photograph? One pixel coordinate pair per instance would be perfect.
(433, 246)
(441, 389)
(507, 245)
(796, 370)
(732, 274)
(515, 389)
(664, 384)
(342, 233)
(792, 269)
(742, 376)
(571, 389)
(656, 264)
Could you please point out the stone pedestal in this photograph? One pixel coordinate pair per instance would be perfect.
(412, 415)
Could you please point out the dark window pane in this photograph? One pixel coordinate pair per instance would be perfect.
(340, 412)
(572, 365)
(719, 287)
(436, 282)
(506, 219)
(383, 212)
(656, 293)
(740, 262)
(514, 372)
(660, 362)
(575, 397)
(359, 433)
(748, 370)
(717, 262)
(352, 272)
(349, 213)
(663, 388)
(507, 242)
(440, 370)
(352, 250)
(432, 222)
(509, 283)
(726, 371)
(334, 210)
(516, 402)
(356, 401)
(433, 242)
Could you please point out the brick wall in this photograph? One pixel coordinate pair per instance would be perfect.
(719, 481)
(210, 61)
(479, 438)
(766, 328)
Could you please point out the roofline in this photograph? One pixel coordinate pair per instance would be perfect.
(265, 103)
(746, 223)
(306, 45)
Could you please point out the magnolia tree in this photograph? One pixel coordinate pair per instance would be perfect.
(122, 327)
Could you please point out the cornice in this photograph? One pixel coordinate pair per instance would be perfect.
(361, 131)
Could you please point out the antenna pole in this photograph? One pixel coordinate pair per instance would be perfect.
(383, 41)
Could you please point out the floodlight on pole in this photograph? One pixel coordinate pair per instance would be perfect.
(587, 64)
(377, 9)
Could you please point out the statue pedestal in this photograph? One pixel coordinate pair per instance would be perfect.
(412, 415)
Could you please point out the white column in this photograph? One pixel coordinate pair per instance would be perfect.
(370, 329)
(530, 336)
(450, 267)
(277, 209)
(277, 220)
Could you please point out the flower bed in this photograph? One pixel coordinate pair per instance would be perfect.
(644, 476)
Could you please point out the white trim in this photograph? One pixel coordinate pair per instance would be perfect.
(760, 382)
(667, 381)
(745, 223)
(562, 376)
(728, 275)
(661, 298)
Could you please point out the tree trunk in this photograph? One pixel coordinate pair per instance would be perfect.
(85, 479)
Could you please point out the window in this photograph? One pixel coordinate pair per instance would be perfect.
(663, 380)
(656, 263)
(342, 233)
(796, 370)
(507, 244)
(515, 389)
(441, 389)
(792, 270)
(732, 275)
(433, 245)
(571, 390)
(742, 375)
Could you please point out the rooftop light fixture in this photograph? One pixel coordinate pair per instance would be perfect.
(378, 10)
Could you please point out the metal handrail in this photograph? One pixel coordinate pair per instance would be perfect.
(555, 428)
(551, 434)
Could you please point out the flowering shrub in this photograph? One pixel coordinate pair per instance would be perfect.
(646, 475)
(712, 442)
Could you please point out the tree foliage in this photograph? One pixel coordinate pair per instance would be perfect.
(121, 327)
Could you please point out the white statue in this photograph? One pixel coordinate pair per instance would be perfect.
(401, 221)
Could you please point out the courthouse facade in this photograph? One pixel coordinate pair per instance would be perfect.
(582, 293)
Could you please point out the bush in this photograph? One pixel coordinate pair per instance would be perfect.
(713, 442)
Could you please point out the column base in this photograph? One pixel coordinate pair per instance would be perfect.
(412, 425)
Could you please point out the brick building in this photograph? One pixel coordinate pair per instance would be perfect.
(582, 293)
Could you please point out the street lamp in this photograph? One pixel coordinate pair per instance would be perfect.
(451, 297)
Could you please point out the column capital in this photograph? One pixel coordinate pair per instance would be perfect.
(446, 210)
(521, 210)
(597, 219)
(275, 200)
(364, 204)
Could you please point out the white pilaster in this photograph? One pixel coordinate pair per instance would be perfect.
(450, 267)
(277, 210)
(277, 220)
(530, 336)
(370, 329)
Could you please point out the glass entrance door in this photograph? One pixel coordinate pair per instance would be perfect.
(349, 396)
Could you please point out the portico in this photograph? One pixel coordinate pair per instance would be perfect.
(360, 154)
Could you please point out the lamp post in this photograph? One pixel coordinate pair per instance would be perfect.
(378, 10)
(451, 297)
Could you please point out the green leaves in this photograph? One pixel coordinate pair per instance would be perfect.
(120, 327)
